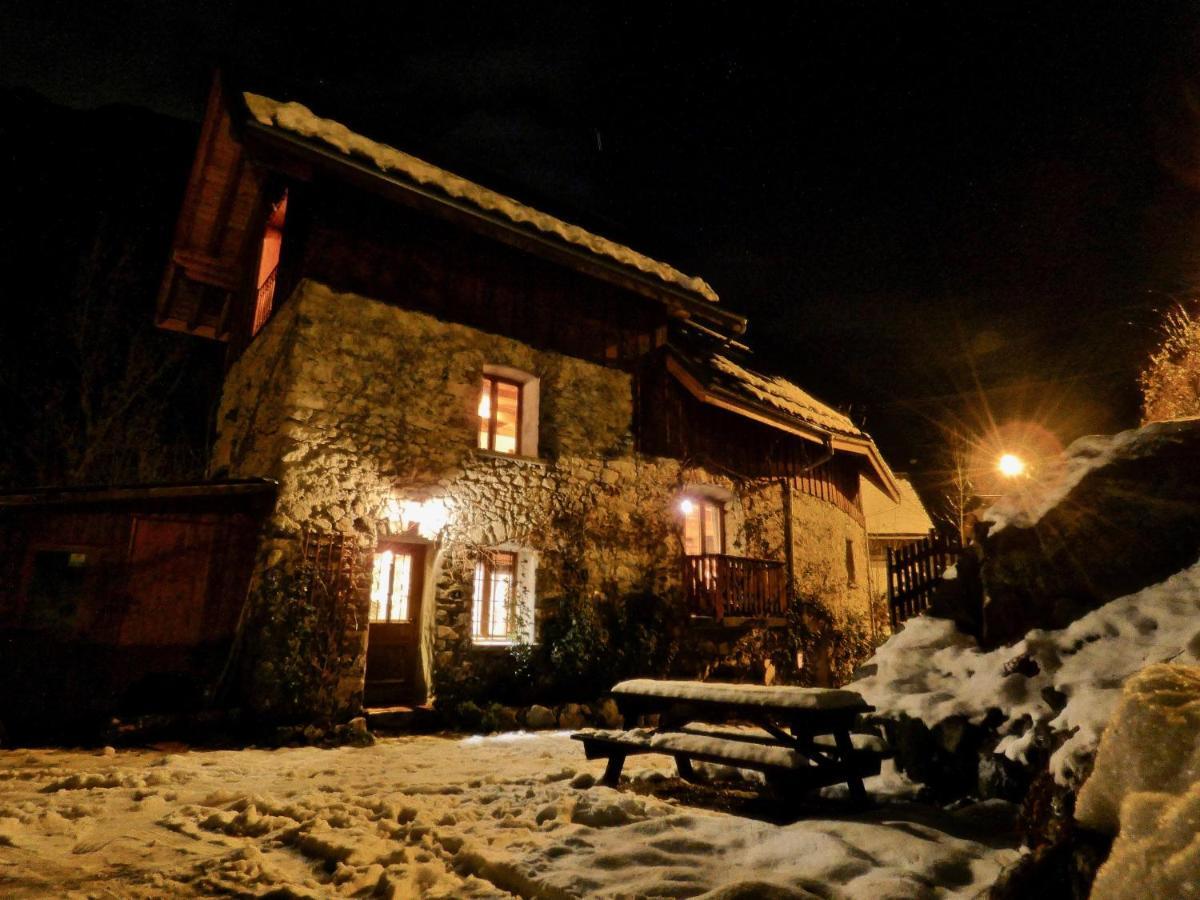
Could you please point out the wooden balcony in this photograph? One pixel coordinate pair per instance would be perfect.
(722, 586)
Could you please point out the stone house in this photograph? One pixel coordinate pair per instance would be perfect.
(480, 409)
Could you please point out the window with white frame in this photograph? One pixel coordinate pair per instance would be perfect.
(503, 597)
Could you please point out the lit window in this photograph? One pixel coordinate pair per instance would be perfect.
(492, 618)
(500, 415)
(703, 526)
(391, 586)
(268, 264)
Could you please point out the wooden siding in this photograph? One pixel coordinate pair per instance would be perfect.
(120, 606)
(217, 233)
(366, 246)
(672, 423)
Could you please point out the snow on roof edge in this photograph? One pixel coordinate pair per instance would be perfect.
(300, 120)
(787, 397)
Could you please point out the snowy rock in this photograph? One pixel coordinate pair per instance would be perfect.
(1114, 515)
(539, 717)
(609, 811)
(1056, 699)
(1157, 853)
(1152, 743)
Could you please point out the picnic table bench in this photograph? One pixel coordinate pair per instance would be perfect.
(803, 741)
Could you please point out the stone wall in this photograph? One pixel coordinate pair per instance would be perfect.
(358, 407)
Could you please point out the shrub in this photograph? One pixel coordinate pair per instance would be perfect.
(831, 646)
(299, 645)
(1170, 382)
(575, 646)
(649, 627)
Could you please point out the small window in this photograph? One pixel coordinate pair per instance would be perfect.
(391, 586)
(703, 526)
(268, 264)
(57, 588)
(851, 571)
(493, 616)
(500, 415)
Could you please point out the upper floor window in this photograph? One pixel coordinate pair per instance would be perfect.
(500, 415)
(703, 525)
(508, 411)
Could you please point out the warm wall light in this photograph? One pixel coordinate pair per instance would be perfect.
(1011, 465)
(426, 517)
(686, 506)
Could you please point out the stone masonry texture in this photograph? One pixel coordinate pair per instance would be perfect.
(356, 406)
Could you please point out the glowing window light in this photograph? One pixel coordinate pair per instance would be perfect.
(391, 587)
(686, 506)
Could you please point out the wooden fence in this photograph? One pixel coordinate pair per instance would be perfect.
(913, 573)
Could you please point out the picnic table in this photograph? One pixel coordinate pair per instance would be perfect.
(800, 738)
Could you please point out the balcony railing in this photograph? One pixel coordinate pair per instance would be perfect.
(264, 301)
(721, 586)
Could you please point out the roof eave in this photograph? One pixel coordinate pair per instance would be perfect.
(877, 470)
(680, 303)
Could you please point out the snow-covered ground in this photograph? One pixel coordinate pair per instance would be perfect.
(447, 817)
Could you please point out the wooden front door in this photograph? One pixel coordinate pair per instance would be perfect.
(394, 632)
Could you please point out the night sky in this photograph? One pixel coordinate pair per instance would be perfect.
(936, 214)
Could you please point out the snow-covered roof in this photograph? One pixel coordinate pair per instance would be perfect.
(885, 517)
(298, 119)
(716, 379)
(782, 395)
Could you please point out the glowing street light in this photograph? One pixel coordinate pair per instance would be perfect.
(1011, 465)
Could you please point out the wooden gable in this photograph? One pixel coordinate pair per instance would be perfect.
(213, 255)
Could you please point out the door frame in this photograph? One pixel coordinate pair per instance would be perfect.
(421, 553)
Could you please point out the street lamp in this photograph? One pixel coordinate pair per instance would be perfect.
(1010, 465)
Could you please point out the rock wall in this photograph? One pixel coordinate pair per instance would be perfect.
(361, 409)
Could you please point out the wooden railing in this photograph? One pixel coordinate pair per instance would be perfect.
(264, 301)
(913, 573)
(720, 586)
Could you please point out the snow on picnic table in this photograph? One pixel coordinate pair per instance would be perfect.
(435, 816)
